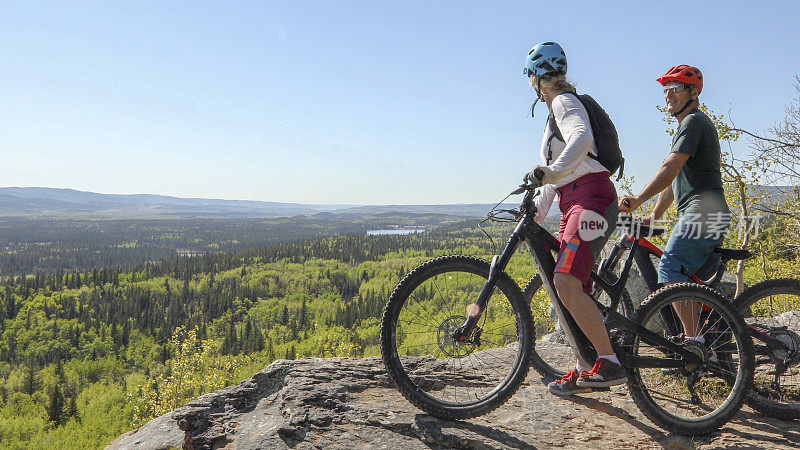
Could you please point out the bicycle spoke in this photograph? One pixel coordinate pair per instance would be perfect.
(457, 373)
(710, 385)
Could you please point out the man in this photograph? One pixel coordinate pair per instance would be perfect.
(690, 176)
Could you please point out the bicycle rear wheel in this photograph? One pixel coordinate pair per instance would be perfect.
(444, 377)
(770, 308)
(552, 356)
(697, 397)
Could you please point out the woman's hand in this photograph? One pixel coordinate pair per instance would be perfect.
(543, 171)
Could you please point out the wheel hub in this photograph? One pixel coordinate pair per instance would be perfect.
(451, 346)
(790, 353)
(698, 349)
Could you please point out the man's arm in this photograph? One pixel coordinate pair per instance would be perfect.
(661, 181)
(665, 199)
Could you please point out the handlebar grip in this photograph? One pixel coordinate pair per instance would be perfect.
(627, 203)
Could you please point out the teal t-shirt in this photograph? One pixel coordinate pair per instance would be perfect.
(697, 137)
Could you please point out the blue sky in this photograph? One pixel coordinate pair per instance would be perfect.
(354, 102)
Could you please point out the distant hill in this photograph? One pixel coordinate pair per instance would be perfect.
(467, 209)
(69, 203)
(51, 202)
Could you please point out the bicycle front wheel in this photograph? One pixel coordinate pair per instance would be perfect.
(703, 393)
(438, 374)
(770, 308)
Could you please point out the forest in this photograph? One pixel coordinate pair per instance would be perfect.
(30, 245)
(88, 354)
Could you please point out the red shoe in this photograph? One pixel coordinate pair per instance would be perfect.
(604, 373)
(565, 385)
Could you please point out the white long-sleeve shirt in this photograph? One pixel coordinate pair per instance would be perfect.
(569, 161)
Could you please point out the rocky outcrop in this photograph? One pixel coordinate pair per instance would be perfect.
(345, 403)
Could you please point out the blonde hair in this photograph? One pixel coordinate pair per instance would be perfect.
(557, 80)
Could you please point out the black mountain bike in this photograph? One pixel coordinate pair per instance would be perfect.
(772, 319)
(457, 337)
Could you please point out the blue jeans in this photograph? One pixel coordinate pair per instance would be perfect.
(701, 227)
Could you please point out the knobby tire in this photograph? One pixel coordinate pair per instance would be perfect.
(734, 371)
(431, 296)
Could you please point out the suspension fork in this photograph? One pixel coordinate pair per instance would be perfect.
(496, 269)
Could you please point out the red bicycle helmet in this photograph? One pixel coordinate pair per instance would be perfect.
(683, 74)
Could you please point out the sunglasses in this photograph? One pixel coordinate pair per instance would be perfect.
(674, 88)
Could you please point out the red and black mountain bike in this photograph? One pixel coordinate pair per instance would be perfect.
(770, 308)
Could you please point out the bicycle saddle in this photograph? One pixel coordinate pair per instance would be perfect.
(731, 253)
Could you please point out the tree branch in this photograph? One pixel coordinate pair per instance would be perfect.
(787, 144)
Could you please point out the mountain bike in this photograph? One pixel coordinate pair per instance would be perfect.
(552, 365)
(457, 337)
(770, 308)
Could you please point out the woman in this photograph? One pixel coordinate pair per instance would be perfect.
(585, 191)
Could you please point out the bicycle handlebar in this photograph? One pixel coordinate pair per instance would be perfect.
(530, 185)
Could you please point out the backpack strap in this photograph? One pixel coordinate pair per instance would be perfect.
(619, 171)
(554, 133)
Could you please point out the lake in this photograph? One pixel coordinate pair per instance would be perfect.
(395, 231)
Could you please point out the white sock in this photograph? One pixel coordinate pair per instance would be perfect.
(701, 339)
(612, 357)
(581, 368)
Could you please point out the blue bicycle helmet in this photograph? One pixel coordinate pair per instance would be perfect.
(545, 58)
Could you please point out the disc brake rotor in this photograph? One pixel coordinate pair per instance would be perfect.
(452, 347)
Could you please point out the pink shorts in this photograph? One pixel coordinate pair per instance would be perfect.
(582, 235)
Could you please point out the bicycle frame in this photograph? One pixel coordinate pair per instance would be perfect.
(642, 250)
(542, 245)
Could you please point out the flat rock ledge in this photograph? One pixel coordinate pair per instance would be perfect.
(347, 403)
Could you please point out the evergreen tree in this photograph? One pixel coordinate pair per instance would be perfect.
(229, 342)
(61, 377)
(270, 350)
(71, 410)
(31, 380)
(55, 407)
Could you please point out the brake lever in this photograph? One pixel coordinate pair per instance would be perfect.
(522, 188)
(526, 187)
(536, 182)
